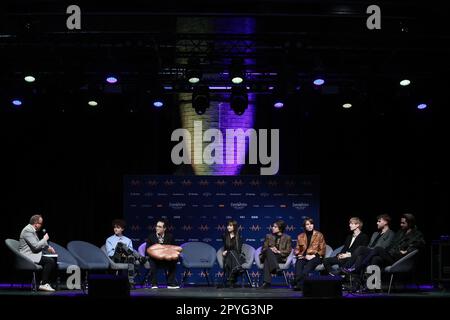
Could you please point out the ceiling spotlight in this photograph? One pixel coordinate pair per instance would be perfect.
(237, 79)
(237, 75)
(29, 79)
(92, 103)
(238, 100)
(319, 82)
(16, 102)
(405, 82)
(347, 105)
(200, 99)
(158, 103)
(111, 79)
(193, 71)
(422, 106)
(278, 104)
(194, 79)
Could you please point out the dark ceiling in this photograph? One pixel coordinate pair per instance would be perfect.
(153, 40)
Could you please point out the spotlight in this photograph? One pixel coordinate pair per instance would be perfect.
(158, 103)
(193, 72)
(194, 79)
(238, 100)
(236, 72)
(193, 76)
(347, 105)
(237, 79)
(16, 102)
(29, 79)
(319, 81)
(111, 79)
(92, 103)
(422, 106)
(278, 104)
(405, 82)
(200, 99)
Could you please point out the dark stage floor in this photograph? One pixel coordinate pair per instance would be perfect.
(225, 303)
(279, 293)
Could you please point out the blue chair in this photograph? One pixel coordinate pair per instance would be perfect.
(328, 253)
(65, 258)
(282, 266)
(22, 262)
(403, 265)
(89, 257)
(249, 254)
(197, 255)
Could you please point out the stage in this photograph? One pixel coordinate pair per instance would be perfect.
(210, 302)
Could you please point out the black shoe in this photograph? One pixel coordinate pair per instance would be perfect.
(265, 285)
(297, 288)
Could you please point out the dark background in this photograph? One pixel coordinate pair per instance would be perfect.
(381, 156)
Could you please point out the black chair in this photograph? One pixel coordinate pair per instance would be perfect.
(22, 262)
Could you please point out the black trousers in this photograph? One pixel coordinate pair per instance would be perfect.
(170, 266)
(377, 255)
(232, 265)
(48, 269)
(271, 261)
(329, 262)
(359, 255)
(303, 267)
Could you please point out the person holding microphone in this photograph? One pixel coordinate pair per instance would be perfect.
(32, 247)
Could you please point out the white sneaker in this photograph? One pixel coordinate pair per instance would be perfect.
(154, 287)
(173, 287)
(46, 287)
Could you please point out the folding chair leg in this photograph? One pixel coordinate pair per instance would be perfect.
(184, 276)
(207, 276)
(33, 282)
(390, 283)
(285, 278)
(248, 278)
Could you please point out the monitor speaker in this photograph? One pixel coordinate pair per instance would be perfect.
(323, 287)
(103, 285)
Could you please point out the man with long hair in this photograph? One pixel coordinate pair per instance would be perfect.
(277, 247)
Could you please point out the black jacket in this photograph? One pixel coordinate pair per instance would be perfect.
(237, 245)
(408, 242)
(361, 240)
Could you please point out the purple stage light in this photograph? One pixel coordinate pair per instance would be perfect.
(319, 82)
(278, 104)
(422, 106)
(111, 79)
(16, 102)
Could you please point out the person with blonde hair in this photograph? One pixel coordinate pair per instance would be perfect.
(356, 239)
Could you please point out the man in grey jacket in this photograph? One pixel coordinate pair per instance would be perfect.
(381, 238)
(32, 247)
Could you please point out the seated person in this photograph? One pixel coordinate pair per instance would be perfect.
(277, 247)
(408, 239)
(120, 249)
(352, 242)
(163, 238)
(309, 251)
(33, 248)
(381, 238)
(232, 252)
